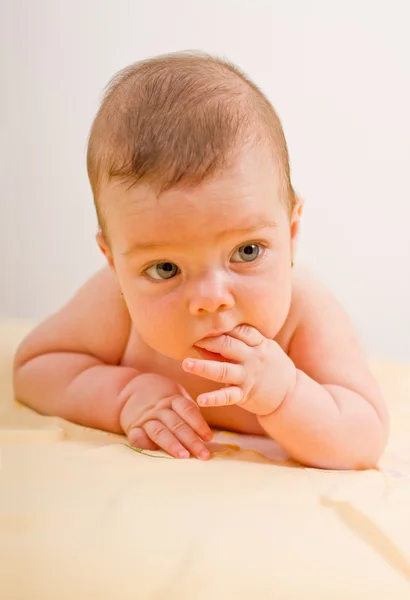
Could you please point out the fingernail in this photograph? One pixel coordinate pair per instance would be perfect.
(183, 454)
(189, 363)
(204, 454)
(203, 401)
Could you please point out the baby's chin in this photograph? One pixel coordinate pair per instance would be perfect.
(173, 353)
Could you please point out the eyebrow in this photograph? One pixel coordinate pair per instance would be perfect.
(141, 246)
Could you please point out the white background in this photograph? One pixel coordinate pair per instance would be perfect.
(338, 74)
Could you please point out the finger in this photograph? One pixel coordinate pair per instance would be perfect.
(161, 435)
(247, 334)
(189, 411)
(230, 347)
(223, 397)
(184, 392)
(184, 433)
(139, 439)
(216, 371)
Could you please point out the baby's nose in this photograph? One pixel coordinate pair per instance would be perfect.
(210, 294)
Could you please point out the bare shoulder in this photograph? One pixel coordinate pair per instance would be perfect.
(94, 321)
(322, 329)
(324, 343)
(311, 298)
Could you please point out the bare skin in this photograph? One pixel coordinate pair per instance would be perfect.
(285, 360)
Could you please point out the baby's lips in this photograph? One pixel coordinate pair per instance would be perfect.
(213, 334)
(208, 354)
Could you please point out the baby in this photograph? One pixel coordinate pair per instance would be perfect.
(199, 319)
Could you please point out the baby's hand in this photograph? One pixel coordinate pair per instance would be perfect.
(159, 413)
(257, 377)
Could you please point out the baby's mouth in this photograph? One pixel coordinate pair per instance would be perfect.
(208, 355)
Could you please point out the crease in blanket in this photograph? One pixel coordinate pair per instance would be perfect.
(144, 453)
(367, 530)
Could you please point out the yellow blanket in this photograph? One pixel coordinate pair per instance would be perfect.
(83, 516)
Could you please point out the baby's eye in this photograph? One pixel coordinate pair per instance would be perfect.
(162, 270)
(246, 253)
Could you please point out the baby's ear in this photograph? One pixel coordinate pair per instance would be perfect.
(104, 247)
(295, 222)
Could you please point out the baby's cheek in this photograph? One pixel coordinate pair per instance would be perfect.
(269, 308)
(159, 326)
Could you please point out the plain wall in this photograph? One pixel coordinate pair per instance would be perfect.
(338, 75)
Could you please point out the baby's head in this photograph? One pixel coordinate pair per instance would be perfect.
(190, 174)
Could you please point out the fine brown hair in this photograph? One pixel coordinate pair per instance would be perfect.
(178, 119)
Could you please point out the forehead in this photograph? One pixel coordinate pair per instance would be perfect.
(246, 195)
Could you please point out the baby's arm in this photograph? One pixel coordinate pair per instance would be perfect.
(335, 417)
(68, 366)
(318, 399)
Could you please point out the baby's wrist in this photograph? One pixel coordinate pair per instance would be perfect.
(142, 390)
(286, 387)
(291, 388)
(269, 420)
(123, 399)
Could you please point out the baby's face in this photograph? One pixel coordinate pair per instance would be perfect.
(200, 261)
